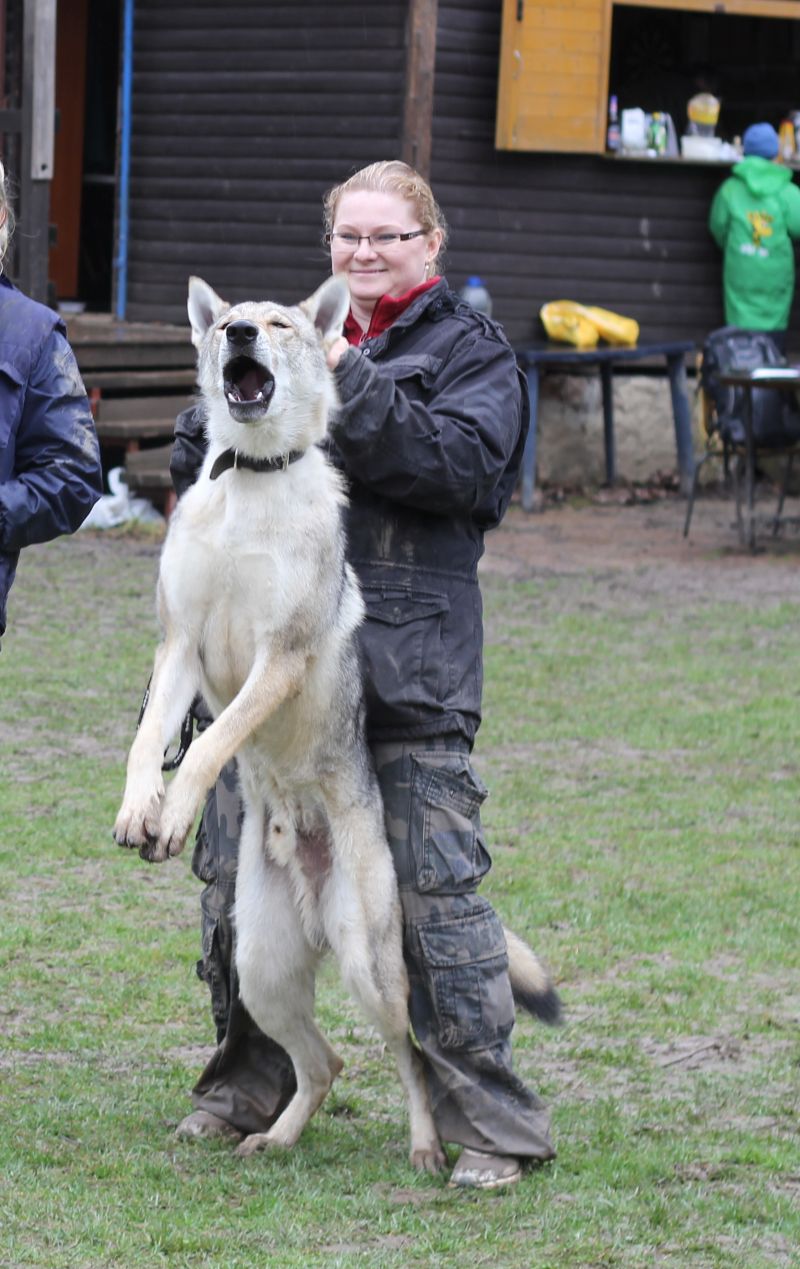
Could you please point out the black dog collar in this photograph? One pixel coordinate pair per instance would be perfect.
(232, 458)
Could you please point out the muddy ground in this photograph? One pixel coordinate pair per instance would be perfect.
(636, 540)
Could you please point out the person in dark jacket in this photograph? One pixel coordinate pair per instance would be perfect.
(50, 473)
(429, 434)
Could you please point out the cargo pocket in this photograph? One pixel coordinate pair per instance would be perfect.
(466, 965)
(403, 652)
(215, 970)
(445, 834)
(417, 372)
(205, 862)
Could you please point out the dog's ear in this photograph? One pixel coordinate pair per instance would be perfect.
(204, 306)
(328, 307)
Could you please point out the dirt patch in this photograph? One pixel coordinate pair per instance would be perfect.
(642, 547)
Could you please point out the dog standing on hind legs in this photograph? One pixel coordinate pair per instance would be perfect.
(260, 613)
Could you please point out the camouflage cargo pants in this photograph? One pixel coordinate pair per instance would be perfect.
(461, 1006)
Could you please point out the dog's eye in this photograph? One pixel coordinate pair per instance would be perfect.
(280, 325)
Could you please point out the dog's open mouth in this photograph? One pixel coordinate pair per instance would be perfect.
(247, 384)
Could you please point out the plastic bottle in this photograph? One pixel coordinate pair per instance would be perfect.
(476, 294)
(657, 138)
(613, 135)
(786, 140)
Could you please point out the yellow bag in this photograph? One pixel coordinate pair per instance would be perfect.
(564, 320)
(582, 325)
(613, 327)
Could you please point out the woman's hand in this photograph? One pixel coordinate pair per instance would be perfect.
(336, 351)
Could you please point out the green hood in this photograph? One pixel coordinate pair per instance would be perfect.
(762, 176)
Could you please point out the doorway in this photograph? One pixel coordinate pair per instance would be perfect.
(83, 191)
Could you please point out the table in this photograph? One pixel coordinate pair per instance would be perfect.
(538, 358)
(782, 379)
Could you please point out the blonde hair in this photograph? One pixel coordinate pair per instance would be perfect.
(390, 176)
(6, 217)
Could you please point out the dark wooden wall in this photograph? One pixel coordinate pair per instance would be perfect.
(537, 227)
(244, 114)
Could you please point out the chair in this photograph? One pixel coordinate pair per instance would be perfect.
(775, 418)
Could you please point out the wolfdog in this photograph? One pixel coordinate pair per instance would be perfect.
(259, 612)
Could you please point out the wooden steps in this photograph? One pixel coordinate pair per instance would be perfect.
(139, 376)
(147, 474)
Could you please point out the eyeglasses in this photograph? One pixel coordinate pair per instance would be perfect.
(351, 242)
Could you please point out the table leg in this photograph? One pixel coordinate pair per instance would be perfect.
(750, 469)
(529, 455)
(606, 376)
(682, 418)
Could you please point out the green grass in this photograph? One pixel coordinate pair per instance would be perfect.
(641, 749)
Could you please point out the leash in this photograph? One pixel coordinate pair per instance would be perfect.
(186, 736)
(232, 458)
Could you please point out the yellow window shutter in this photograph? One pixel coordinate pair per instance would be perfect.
(553, 81)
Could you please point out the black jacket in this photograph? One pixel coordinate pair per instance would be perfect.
(430, 433)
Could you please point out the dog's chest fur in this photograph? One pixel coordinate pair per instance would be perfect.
(248, 562)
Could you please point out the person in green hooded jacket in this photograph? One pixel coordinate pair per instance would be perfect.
(754, 216)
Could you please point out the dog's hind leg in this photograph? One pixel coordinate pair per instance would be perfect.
(363, 925)
(425, 1153)
(276, 966)
(290, 1023)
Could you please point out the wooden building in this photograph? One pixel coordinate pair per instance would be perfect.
(241, 114)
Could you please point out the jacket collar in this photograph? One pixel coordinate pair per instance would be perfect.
(396, 310)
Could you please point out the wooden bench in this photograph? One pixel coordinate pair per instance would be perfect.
(127, 421)
(147, 474)
(139, 376)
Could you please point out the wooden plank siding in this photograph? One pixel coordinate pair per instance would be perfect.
(243, 114)
(625, 235)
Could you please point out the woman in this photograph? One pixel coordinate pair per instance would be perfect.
(50, 474)
(430, 435)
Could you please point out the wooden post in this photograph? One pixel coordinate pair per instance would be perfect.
(420, 66)
(38, 129)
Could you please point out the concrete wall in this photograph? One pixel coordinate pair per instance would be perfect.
(570, 438)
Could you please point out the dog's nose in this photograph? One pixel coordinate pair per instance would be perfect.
(241, 333)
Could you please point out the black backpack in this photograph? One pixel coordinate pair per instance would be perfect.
(776, 421)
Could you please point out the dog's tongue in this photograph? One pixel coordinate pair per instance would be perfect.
(250, 385)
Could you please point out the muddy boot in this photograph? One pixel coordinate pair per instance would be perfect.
(478, 1171)
(201, 1123)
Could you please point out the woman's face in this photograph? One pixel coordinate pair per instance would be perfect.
(372, 269)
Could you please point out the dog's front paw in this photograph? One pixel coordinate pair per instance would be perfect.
(153, 850)
(177, 818)
(138, 821)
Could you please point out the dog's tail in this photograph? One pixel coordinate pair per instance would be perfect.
(530, 982)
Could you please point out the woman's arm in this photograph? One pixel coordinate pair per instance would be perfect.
(443, 454)
(189, 449)
(57, 476)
